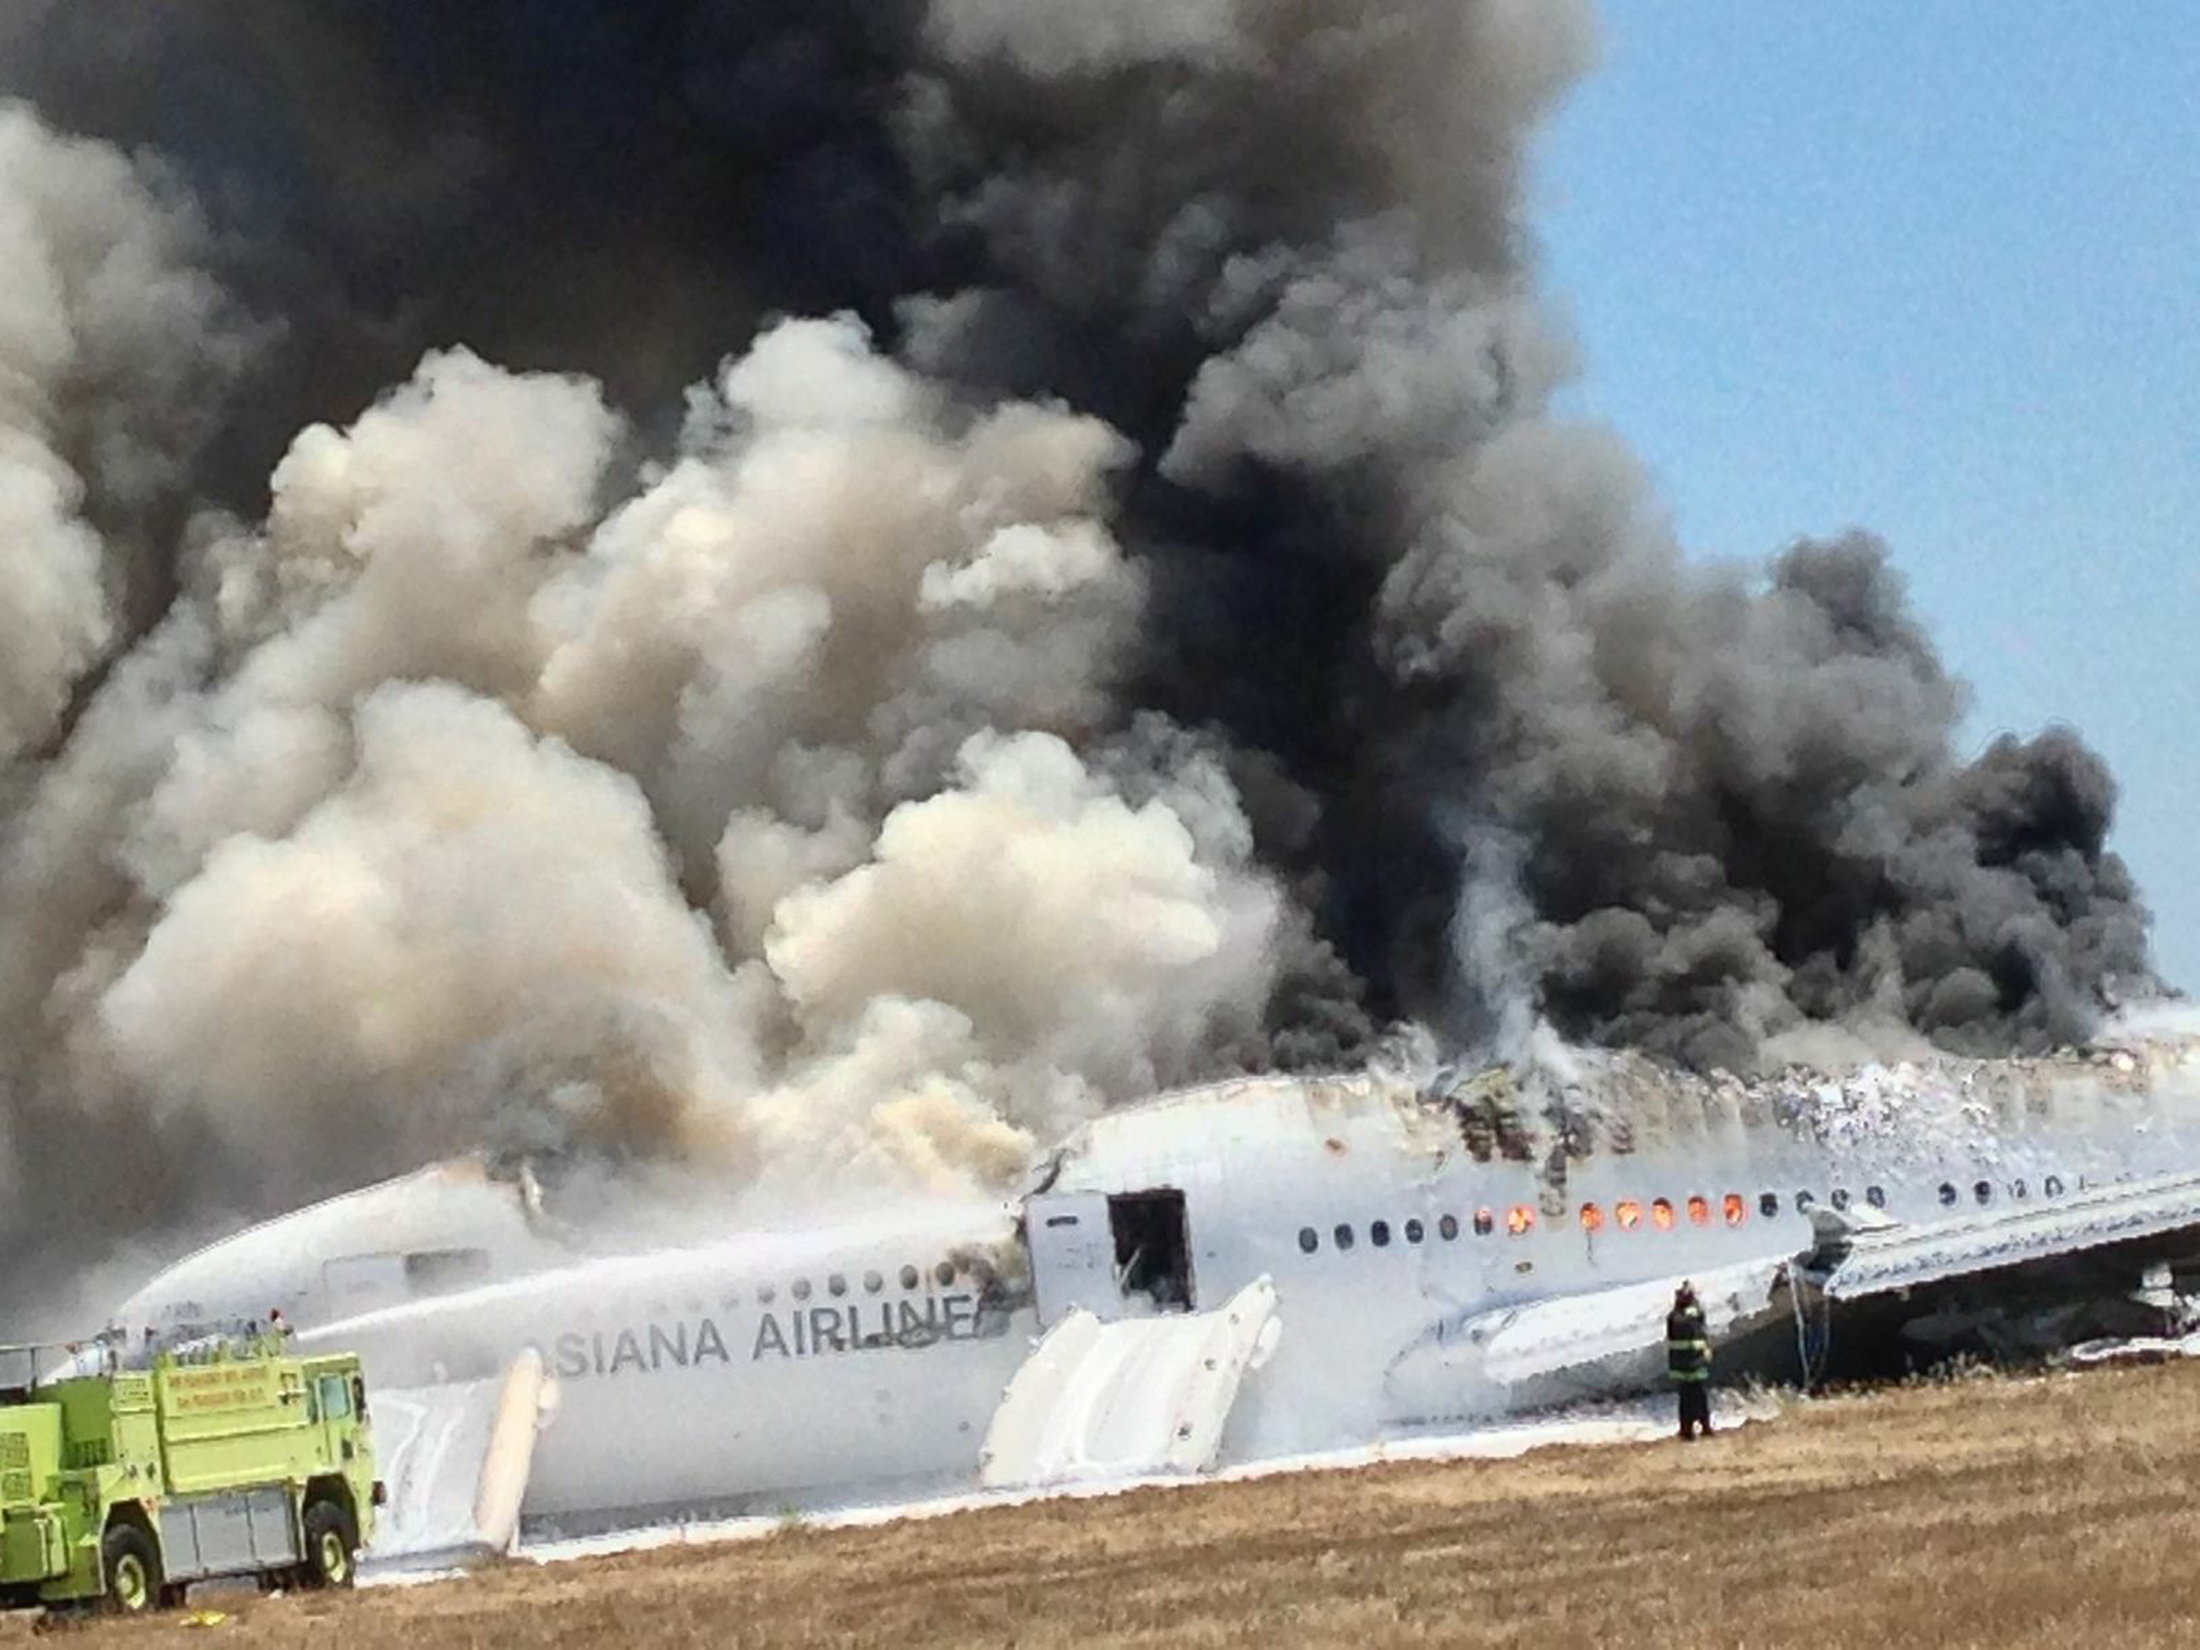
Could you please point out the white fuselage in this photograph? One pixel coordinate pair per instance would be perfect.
(866, 1360)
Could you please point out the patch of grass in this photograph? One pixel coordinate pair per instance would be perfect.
(2042, 1510)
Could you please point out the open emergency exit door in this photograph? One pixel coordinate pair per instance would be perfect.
(1114, 1254)
(1072, 1256)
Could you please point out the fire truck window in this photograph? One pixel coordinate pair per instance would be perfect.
(1661, 1214)
(1699, 1211)
(1947, 1194)
(1415, 1231)
(1447, 1227)
(1876, 1196)
(1592, 1218)
(1735, 1210)
(911, 1277)
(1983, 1191)
(800, 1289)
(1768, 1204)
(335, 1397)
(1840, 1197)
(1484, 1223)
(1628, 1214)
(1309, 1240)
(1378, 1233)
(1342, 1237)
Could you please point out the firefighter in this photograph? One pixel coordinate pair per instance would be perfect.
(1688, 1361)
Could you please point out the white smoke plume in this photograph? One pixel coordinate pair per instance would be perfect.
(107, 333)
(737, 823)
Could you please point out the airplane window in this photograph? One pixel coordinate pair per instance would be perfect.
(1309, 1240)
(872, 1283)
(1804, 1203)
(1699, 1211)
(1628, 1213)
(1735, 1210)
(944, 1273)
(765, 1294)
(799, 1289)
(1876, 1196)
(836, 1285)
(1768, 1204)
(1447, 1228)
(1414, 1231)
(1840, 1197)
(1378, 1233)
(436, 1271)
(1343, 1237)
(911, 1277)
(1983, 1191)
(1592, 1218)
(2053, 1187)
(1947, 1194)
(1521, 1221)
(1661, 1214)
(1484, 1223)
(2018, 1187)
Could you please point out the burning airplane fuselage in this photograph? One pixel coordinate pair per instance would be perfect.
(1439, 1254)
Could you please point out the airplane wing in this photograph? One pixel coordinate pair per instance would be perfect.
(1856, 1264)
(1564, 1348)
(1869, 1294)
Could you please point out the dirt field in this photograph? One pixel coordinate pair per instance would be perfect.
(2052, 1512)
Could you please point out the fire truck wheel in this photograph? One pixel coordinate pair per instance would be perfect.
(332, 1545)
(132, 1568)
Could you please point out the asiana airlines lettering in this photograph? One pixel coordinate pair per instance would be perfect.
(792, 1332)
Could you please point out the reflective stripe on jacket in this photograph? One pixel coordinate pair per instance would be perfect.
(1687, 1346)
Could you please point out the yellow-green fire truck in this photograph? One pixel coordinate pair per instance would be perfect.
(123, 1485)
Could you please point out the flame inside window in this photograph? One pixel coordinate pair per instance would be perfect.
(1520, 1221)
(1699, 1210)
(1736, 1210)
(1628, 1214)
(1592, 1218)
(1661, 1214)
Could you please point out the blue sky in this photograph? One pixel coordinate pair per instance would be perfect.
(1930, 268)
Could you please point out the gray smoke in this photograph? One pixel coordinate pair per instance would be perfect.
(1111, 605)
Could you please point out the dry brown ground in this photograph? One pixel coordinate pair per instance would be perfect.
(2045, 1511)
